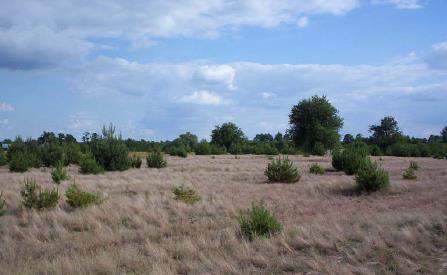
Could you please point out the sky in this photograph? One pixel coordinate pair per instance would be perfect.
(156, 69)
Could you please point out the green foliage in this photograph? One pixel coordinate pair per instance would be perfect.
(187, 140)
(218, 150)
(33, 196)
(2, 205)
(444, 134)
(51, 154)
(227, 134)
(110, 151)
(386, 133)
(371, 178)
(136, 162)
(315, 168)
(374, 150)
(348, 139)
(315, 120)
(414, 165)
(350, 160)
(19, 163)
(282, 170)
(259, 222)
(318, 149)
(3, 158)
(77, 198)
(23, 155)
(156, 160)
(88, 165)
(203, 148)
(409, 174)
(72, 153)
(59, 174)
(188, 195)
(178, 151)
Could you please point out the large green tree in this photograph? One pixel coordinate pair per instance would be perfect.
(386, 133)
(444, 134)
(314, 122)
(227, 134)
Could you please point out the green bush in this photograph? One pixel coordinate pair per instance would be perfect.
(59, 174)
(282, 170)
(374, 150)
(218, 150)
(156, 160)
(203, 148)
(349, 160)
(409, 174)
(315, 168)
(19, 162)
(33, 196)
(72, 153)
(110, 151)
(77, 198)
(51, 154)
(319, 149)
(371, 177)
(259, 222)
(186, 194)
(2, 205)
(136, 162)
(88, 165)
(3, 158)
(179, 152)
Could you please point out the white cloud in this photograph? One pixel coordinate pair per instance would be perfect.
(202, 98)
(4, 122)
(219, 74)
(401, 4)
(266, 95)
(303, 22)
(437, 58)
(6, 107)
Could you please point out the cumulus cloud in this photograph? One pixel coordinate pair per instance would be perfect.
(401, 4)
(6, 107)
(218, 74)
(437, 58)
(202, 98)
(36, 34)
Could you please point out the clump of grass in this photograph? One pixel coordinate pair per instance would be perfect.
(2, 205)
(409, 174)
(77, 198)
(371, 178)
(259, 222)
(188, 195)
(414, 165)
(156, 160)
(282, 170)
(59, 174)
(33, 196)
(316, 169)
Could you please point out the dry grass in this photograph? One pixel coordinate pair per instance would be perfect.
(142, 229)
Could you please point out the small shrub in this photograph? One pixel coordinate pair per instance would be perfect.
(203, 148)
(371, 177)
(78, 198)
(316, 169)
(3, 158)
(414, 165)
(349, 160)
(88, 165)
(136, 162)
(319, 149)
(59, 174)
(156, 160)
(19, 163)
(259, 222)
(51, 154)
(186, 194)
(179, 152)
(34, 197)
(282, 170)
(2, 205)
(409, 174)
(337, 160)
(374, 150)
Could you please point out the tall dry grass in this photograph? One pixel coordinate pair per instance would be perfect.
(140, 228)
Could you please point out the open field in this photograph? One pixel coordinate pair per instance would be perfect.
(141, 229)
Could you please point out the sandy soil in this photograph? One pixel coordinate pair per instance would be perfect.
(142, 229)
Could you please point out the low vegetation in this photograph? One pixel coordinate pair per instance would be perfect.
(2, 205)
(78, 198)
(88, 165)
(259, 221)
(34, 196)
(316, 169)
(372, 178)
(156, 160)
(186, 194)
(59, 174)
(282, 170)
(349, 160)
(136, 162)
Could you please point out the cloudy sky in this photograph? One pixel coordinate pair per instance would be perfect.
(159, 68)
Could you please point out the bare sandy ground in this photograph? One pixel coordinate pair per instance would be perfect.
(141, 229)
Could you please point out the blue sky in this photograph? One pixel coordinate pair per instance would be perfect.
(160, 68)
